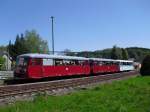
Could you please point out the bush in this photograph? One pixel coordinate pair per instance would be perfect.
(2, 62)
(145, 68)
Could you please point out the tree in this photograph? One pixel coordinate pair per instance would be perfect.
(124, 54)
(18, 48)
(145, 68)
(30, 42)
(3, 48)
(11, 50)
(138, 53)
(116, 53)
(2, 63)
(35, 43)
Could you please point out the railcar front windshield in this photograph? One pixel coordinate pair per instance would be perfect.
(22, 61)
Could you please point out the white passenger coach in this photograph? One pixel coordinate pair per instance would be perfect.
(125, 65)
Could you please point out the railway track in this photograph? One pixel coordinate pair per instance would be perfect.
(9, 91)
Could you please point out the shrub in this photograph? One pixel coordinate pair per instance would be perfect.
(2, 62)
(145, 68)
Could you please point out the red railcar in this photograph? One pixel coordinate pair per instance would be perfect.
(42, 65)
(104, 65)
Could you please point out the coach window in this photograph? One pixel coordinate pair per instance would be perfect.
(81, 62)
(47, 62)
(100, 63)
(22, 61)
(116, 63)
(36, 61)
(120, 63)
(95, 62)
(72, 62)
(86, 62)
(111, 63)
(104, 62)
(66, 62)
(76, 62)
(129, 63)
(108, 63)
(58, 62)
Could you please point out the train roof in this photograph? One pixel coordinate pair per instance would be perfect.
(101, 59)
(35, 55)
(124, 60)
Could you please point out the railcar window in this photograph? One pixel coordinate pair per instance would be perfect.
(70, 62)
(76, 62)
(47, 62)
(66, 62)
(106, 63)
(121, 63)
(58, 62)
(22, 61)
(35, 61)
(96, 63)
(101, 63)
(84, 62)
(131, 63)
(116, 63)
(110, 63)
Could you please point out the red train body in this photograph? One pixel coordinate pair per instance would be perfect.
(36, 66)
(104, 66)
(41, 66)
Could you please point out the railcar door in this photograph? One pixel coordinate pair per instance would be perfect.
(48, 68)
(35, 68)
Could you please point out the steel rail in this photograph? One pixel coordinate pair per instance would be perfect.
(29, 88)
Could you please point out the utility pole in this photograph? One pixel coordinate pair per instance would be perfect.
(52, 18)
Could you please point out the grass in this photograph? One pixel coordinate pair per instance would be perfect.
(132, 95)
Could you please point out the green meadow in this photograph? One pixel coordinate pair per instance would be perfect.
(130, 95)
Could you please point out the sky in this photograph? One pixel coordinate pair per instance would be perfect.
(79, 25)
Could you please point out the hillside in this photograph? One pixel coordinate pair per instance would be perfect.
(136, 53)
